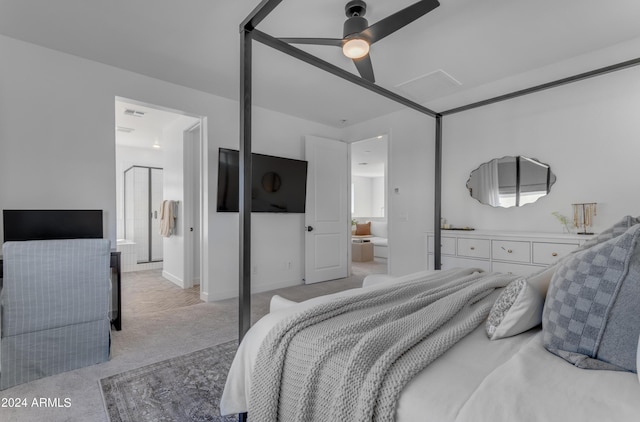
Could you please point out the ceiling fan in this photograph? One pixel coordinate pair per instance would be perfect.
(358, 35)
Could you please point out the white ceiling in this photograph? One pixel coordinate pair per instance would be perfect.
(144, 128)
(490, 46)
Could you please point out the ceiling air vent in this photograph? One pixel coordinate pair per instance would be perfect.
(124, 129)
(132, 112)
(428, 87)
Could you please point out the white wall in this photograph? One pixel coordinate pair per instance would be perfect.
(378, 189)
(410, 170)
(361, 196)
(369, 196)
(57, 150)
(588, 132)
(277, 239)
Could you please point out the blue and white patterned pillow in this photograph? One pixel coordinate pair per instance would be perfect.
(591, 316)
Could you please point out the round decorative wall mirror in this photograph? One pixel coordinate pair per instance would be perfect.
(510, 181)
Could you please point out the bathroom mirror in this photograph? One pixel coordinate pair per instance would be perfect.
(510, 181)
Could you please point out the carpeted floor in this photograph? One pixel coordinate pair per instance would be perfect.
(145, 292)
(151, 337)
(184, 388)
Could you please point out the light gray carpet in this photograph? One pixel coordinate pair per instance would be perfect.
(145, 292)
(184, 388)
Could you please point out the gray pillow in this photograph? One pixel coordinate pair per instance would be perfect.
(612, 232)
(591, 315)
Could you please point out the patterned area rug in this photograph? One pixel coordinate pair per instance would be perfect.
(184, 388)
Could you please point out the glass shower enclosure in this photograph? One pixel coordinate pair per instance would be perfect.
(142, 202)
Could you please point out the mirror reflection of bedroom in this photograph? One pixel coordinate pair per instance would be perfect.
(369, 234)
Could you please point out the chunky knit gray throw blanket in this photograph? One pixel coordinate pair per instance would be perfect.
(351, 358)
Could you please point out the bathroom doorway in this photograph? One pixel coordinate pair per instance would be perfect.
(154, 171)
(369, 187)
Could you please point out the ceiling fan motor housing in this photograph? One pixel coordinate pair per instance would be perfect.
(354, 25)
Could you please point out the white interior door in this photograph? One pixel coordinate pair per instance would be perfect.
(191, 210)
(326, 218)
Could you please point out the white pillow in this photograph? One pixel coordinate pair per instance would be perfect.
(519, 306)
(279, 302)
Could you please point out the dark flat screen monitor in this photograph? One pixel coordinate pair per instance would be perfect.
(278, 184)
(22, 225)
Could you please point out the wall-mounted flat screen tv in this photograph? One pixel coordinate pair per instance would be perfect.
(22, 225)
(278, 184)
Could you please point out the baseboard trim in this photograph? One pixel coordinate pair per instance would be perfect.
(172, 278)
(260, 288)
(204, 296)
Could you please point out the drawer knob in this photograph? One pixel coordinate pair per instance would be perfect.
(509, 251)
(554, 254)
(472, 248)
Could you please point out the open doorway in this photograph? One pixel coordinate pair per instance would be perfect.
(369, 187)
(158, 202)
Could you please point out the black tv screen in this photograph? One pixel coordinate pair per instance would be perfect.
(22, 225)
(278, 184)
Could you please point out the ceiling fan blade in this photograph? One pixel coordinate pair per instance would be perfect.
(316, 41)
(365, 68)
(392, 23)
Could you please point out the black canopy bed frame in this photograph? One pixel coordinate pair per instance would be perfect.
(249, 33)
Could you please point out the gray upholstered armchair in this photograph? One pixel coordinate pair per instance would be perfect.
(54, 307)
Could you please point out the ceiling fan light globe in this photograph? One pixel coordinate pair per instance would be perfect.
(355, 48)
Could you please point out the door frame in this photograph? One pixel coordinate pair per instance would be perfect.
(388, 192)
(192, 153)
(203, 175)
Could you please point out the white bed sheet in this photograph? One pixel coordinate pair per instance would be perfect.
(536, 385)
(476, 380)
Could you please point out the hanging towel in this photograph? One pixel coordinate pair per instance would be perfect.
(168, 218)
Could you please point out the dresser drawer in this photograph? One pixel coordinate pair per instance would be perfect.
(447, 245)
(503, 250)
(548, 253)
(474, 248)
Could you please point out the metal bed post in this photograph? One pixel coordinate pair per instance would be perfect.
(244, 314)
(244, 277)
(437, 211)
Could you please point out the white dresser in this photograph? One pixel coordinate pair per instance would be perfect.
(506, 252)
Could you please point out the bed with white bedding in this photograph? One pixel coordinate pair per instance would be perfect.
(511, 377)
